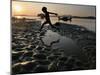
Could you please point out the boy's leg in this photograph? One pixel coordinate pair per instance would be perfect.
(42, 25)
(51, 25)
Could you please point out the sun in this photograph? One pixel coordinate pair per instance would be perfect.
(18, 8)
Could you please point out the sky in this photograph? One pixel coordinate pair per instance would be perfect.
(34, 8)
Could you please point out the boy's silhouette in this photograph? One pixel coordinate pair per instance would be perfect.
(47, 18)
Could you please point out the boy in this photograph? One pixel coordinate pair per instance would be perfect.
(47, 18)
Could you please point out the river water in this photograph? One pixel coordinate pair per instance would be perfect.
(88, 23)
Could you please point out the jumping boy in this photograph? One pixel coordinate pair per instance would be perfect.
(47, 18)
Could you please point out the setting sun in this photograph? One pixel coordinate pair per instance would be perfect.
(18, 8)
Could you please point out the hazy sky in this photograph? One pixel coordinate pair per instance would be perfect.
(33, 8)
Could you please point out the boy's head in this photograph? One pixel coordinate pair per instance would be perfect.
(44, 9)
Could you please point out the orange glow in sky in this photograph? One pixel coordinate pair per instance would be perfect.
(34, 8)
(17, 9)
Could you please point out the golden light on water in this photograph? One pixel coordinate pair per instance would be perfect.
(19, 17)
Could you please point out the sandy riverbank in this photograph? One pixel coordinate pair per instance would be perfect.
(31, 55)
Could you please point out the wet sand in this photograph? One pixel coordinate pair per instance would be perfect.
(69, 48)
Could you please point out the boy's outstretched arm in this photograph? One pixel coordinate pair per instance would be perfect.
(53, 13)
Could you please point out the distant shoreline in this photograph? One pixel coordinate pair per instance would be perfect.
(89, 17)
(80, 17)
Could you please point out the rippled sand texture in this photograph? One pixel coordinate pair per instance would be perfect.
(36, 52)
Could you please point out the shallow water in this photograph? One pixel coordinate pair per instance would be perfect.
(65, 43)
(90, 24)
